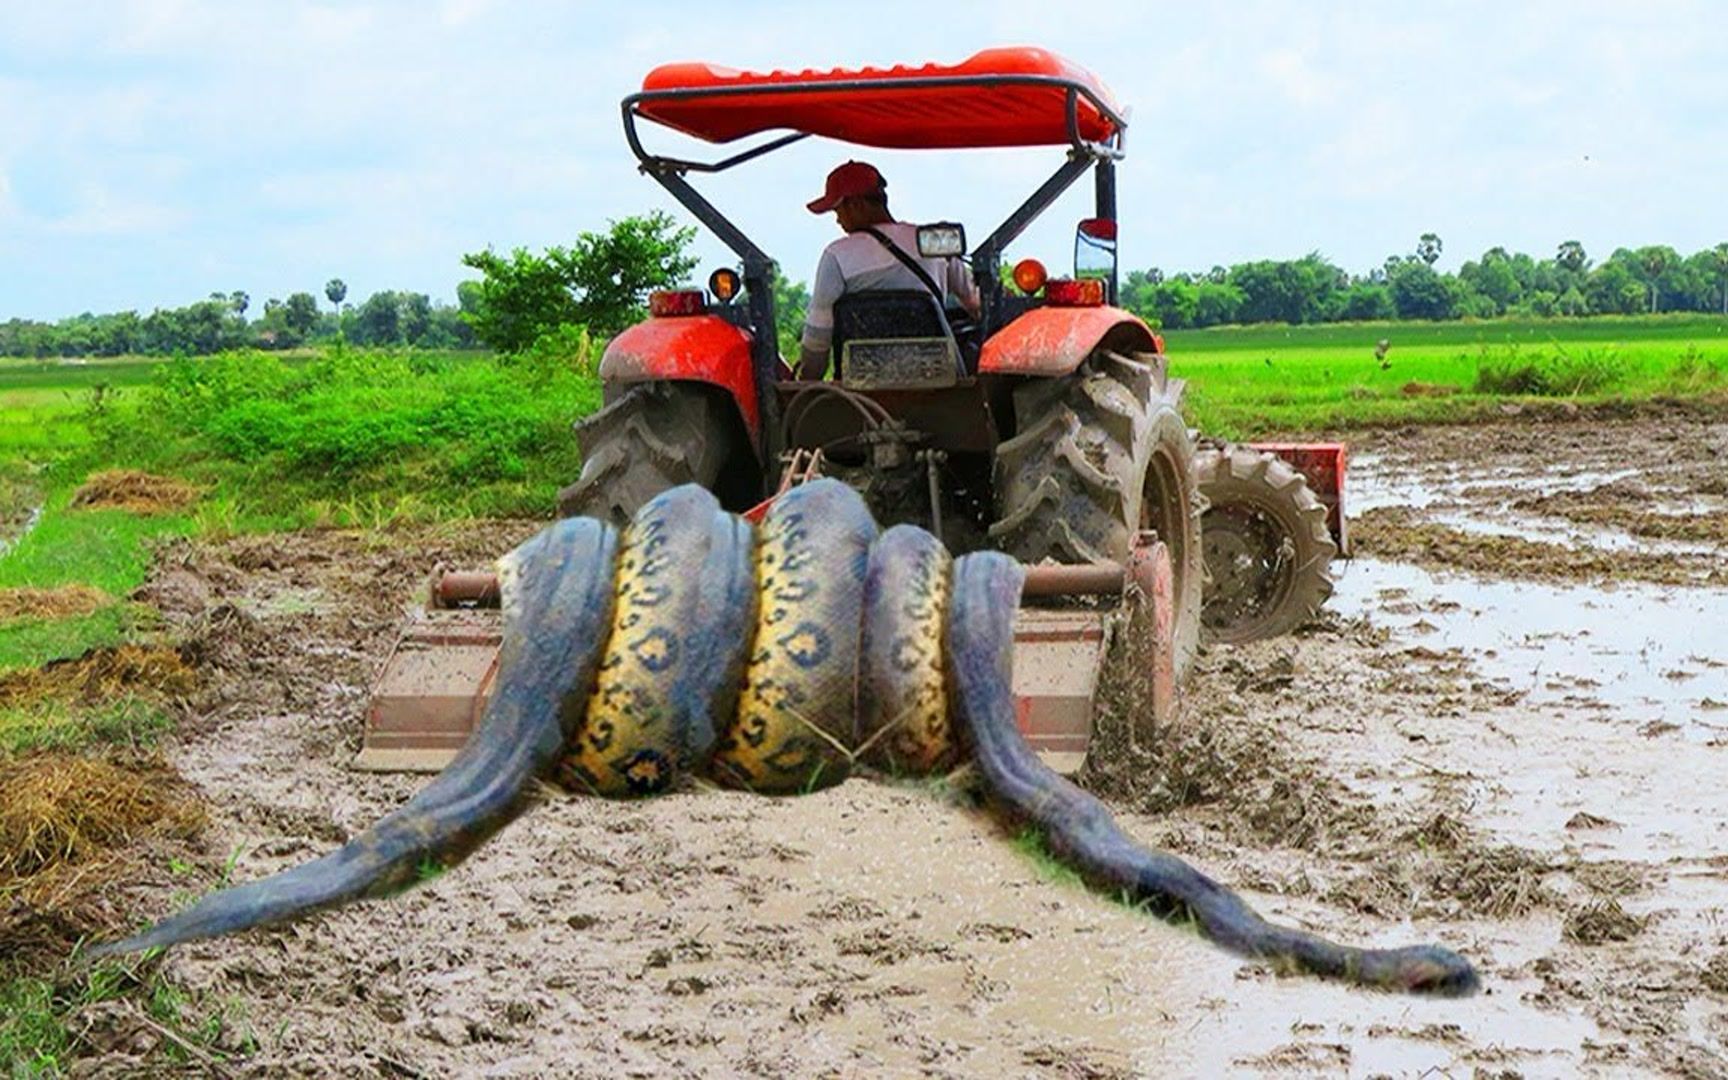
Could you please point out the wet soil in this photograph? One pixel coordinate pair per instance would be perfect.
(1471, 752)
(20, 506)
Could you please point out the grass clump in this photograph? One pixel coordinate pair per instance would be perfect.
(1510, 370)
(1030, 843)
(58, 809)
(1600, 923)
(107, 697)
(102, 676)
(61, 601)
(350, 427)
(45, 1026)
(133, 491)
(55, 725)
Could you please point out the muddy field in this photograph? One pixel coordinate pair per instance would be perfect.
(1509, 735)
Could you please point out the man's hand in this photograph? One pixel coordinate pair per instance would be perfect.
(812, 364)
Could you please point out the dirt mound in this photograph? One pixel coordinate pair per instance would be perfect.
(75, 835)
(304, 620)
(1216, 753)
(1601, 922)
(61, 602)
(138, 492)
(1424, 389)
(59, 809)
(101, 676)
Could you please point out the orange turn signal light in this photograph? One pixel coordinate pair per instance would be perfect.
(1086, 292)
(1029, 276)
(723, 284)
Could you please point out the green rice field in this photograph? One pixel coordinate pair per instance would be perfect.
(1248, 381)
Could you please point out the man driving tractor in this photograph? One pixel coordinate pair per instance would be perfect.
(877, 252)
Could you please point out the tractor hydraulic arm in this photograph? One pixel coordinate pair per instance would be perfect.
(773, 659)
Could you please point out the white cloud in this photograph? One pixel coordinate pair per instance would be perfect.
(101, 213)
(1293, 72)
(462, 12)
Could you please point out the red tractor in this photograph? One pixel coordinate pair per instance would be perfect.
(1046, 428)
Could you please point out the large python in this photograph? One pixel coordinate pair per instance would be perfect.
(772, 662)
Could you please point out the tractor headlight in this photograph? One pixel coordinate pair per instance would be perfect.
(943, 240)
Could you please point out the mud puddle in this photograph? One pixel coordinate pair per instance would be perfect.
(1649, 655)
(1577, 652)
(16, 524)
(1578, 509)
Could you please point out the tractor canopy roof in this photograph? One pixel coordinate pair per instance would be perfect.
(999, 97)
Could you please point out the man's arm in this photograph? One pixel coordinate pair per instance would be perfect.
(819, 318)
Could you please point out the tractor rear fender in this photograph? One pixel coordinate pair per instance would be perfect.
(688, 348)
(1051, 341)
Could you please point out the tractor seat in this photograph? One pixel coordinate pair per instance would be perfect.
(928, 349)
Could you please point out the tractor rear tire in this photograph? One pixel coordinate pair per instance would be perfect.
(1099, 456)
(1268, 551)
(654, 437)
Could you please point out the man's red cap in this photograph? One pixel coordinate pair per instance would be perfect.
(852, 178)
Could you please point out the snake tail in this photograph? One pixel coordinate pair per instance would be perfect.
(557, 608)
(1080, 831)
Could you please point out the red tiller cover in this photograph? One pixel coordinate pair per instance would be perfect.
(883, 113)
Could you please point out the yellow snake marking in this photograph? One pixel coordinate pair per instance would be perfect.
(626, 745)
(798, 694)
(905, 726)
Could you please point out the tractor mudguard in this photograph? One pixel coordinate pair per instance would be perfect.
(1051, 341)
(687, 348)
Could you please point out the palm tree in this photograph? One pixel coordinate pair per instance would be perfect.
(1428, 247)
(336, 290)
(1653, 262)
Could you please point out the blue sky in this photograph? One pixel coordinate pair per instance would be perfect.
(153, 151)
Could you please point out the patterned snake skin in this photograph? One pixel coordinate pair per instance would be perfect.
(773, 661)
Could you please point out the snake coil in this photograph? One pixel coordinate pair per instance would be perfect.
(771, 661)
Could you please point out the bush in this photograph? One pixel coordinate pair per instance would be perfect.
(366, 423)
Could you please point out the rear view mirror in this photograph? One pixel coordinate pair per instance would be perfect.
(943, 240)
(1095, 249)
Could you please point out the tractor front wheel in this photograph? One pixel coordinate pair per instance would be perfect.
(1267, 547)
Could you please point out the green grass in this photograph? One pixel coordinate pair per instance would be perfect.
(344, 437)
(105, 548)
(356, 437)
(38, 1019)
(1600, 329)
(1247, 381)
(1030, 843)
(54, 725)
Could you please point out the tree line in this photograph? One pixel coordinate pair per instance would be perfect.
(1313, 290)
(221, 322)
(600, 282)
